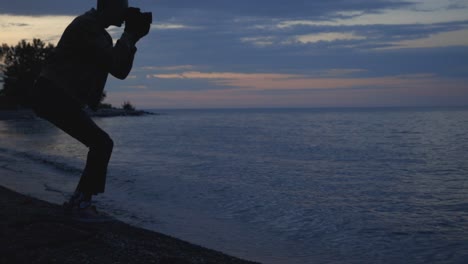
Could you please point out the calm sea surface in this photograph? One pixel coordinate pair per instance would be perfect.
(276, 186)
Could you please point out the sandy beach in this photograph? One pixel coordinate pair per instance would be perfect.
(35, 231)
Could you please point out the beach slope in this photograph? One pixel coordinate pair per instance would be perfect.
(35, 231)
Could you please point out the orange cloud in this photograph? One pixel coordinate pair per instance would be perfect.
(453, 93)
(328, 88)
(222, 76)
(278, 81)
(135, 86)
(406, 91)
(169, 68)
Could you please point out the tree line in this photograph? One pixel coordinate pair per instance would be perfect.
(20, 65)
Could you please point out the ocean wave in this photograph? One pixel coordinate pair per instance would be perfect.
(55, 162)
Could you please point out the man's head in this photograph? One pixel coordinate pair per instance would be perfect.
(113, 11)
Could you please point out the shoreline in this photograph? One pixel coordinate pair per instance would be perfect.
(35, 231)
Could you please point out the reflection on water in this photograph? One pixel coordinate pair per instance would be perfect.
(20, 133)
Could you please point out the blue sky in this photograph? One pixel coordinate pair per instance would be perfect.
(279, 53)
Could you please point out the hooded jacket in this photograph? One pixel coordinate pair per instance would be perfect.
(84, 57)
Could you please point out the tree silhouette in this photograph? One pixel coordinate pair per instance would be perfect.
(128, 106)
(1, 69)
(21, 66)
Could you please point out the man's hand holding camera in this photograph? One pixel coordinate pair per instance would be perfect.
(137, 24)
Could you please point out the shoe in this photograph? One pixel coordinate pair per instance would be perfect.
(83, 211)
(73, 202)
(89, 214)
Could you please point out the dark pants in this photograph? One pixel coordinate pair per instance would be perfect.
(52, 104)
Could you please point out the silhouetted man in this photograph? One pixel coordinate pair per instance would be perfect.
(75, 76)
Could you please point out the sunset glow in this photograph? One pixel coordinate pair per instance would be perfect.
(202, 55)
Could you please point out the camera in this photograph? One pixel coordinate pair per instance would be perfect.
(135, 14)
(148, 17)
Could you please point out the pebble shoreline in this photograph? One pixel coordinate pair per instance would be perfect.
(35, 231)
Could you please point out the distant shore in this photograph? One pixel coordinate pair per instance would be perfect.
(105, 112)
(111, 112)
(35, 231)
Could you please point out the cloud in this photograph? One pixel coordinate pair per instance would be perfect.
(223, 75)
(135, 86)
(305, 83)
(283, 8)
(169, 26)
(45, 7)
(385, 17)
(9, 25)
(341, 72)
(278, 81)
(48, 28)
(444, 39)
(259, 41)
(164, 9)
(457, 4)
(237, 75)
(363, 37)
(168, 68)
(423, 92)
(278, 51)
(327, 37)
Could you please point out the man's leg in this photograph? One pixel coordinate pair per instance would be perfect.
(53, 105)
(93, 179)
(80, 126)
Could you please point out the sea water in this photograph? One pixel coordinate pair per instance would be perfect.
(381, 185)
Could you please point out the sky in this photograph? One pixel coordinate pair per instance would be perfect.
(278, 53)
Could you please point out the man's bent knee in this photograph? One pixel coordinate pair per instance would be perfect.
(105, 143)
(108, 144)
